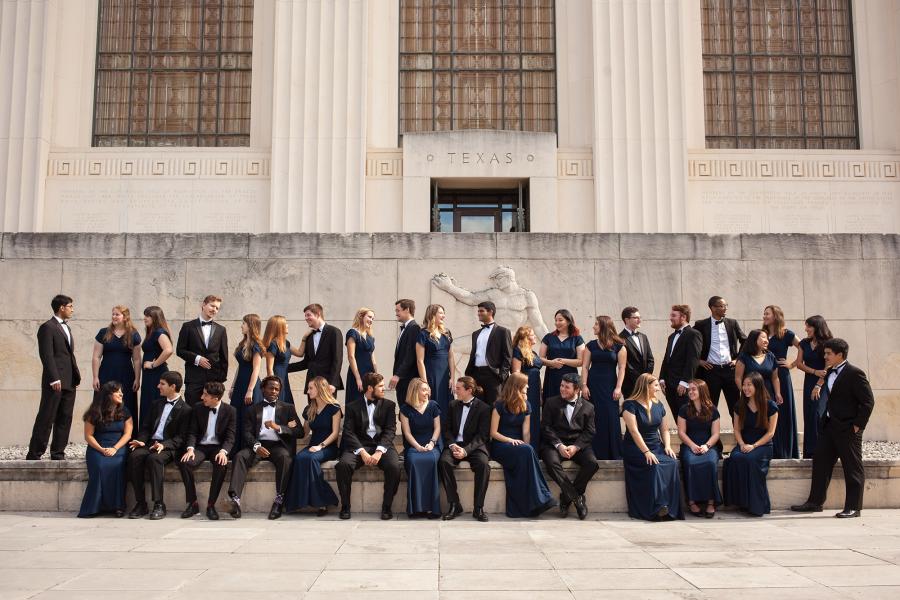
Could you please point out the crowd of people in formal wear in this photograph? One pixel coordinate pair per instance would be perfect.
(145, 415)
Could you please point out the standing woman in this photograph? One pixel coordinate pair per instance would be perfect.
(698, 428)
(278, 354)
(527, 494)
(117, 356)
(561, 351)
(157, 349)
(245, 390)
(323, 426)
(420, 423)
(525, 361)
(811, 360)
(652, 486)
(755, 357)
(603, 371)
(780, 340)
(107, 429)
(360, 353)
(434, 357)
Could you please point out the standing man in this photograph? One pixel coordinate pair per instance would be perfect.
(847, 411)
(405, 352)
(722, 338)
(59, 378)
(491, 354)
(639, 357)
(682, 355)
(323, 352)
(203, 346)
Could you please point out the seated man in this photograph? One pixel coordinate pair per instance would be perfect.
(567, 430)
(158, 443)
(269, 434)
(210, 436)
(368, 439)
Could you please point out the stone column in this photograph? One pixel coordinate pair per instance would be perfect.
(318, 115)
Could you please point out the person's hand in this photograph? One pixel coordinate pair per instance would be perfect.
(188, 455)
(706, 365)
(856, 429)
(157, 447)
(270, 424)
(292, 424)
(377, 457)
(682, 390)
(428, 447)
(148, 364)
(56, 386)
(697, 450)
(109, 452)
(779, 400)
(662, 386)
(586, 392)
(248, 399)
(135, 386)
(821, 373)
(651, 458)
(204, 363)
(135, 444)
(392, 384)
(703, 449)
(563, 451)
(262, 452)
(783, 362)
(222, 458)
(516, 442)
(816, 393)
(359, 383)
(96, 384)
(669, 452)
(617, 394)
(315, 448)
(747, 448)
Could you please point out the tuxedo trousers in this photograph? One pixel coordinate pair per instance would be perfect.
(587, 466)
(141, 463)
(349, 463)
(54, 414)
(201, 453)
(478, 462)
(246, 459)
(838, 443)
(720, 380)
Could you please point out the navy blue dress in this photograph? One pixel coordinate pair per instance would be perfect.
(814, 359)
(700, 471)
(423, 494)
(308, 486)
(568, 348)
(364, 363)
(280, 368)
(601, 382)
(744, 475)
(105, 490)
(116, 365)
(784, 444)
(437, 368)
(533, 371)
(527, 494)
(649, 487)
(150, 377)
(241, 383)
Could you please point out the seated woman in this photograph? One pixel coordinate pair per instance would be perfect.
(323, 426)
(420, 423)
(527, 494)
(107, 429)
(652, 485)
(698, 428)
(745, 470)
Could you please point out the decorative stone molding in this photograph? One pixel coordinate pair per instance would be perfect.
(574, 164)
(151, 164)
(384, 164)
(755, 164)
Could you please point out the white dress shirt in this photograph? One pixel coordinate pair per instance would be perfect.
(481, 343)
(462, 419)
(637, 340)
(159, 435)
(210, 438)
(675, 340)
(570, 410)
(268, 414)
(834, 374)
(370, 430)
(318, 336)
(206, 332)
(719, 352)
(65, 328)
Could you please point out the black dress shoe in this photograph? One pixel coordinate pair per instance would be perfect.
(139, 510)
(275, 512)
(57, 457)
(345, 513)
(211, 513)
(119, 513)
(807, 507)
(581, 507)
(235, 510)
(479, 515)
(323, 510)
(386, 514)
(191, 510)
(159, 511)
(848, 514)
(453, 511)
(662, 514)
(564, 506)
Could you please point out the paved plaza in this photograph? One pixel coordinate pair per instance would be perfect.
(52, 556)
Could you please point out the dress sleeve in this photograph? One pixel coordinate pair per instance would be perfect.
(423, 338)
(683, 412)
(517, 353)
(100, 335)
(546, 339)
(273, 348)
(578, 340)
(773, 408)
(630, 406)
(135, 339)
(715, 415)
(351, 333)
(435, 409)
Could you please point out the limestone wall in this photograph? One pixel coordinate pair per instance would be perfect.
(853, 280)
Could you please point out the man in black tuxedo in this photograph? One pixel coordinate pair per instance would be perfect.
(682, 355)
(405, 368)
(210, 436)
(368, 439)
(270, 433)
(203, 345)
(466, 430)
(59, 378)
(722, 337)
(159, 443)
(639, 356)
(567, 430)
(846, 413)
(323, 349)
(491, 354)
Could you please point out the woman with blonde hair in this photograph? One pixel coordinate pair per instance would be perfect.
(527, 494)
(434, 356)
(785, 444)
(278, 354)
(652, 484)
(117, 357)
(360, 352)
(420, 423)
(245, 390)
(525, 361)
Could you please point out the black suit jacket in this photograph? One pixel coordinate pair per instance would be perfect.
(356, 422)
(326, 362)
(57, 356)
(176, 428)
(226, 418)
(405, 352)
(736, 336)
(477, 431)
(636, 363)
(555, 428)
(850, 401)
(284, 414)
(682, 364)
(190, 345)
(498, 353)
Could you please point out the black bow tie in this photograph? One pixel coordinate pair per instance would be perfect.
(466, 404)
(572, 403)
(205, 323)
(720, 321)
(65, 322)
(486, 325)
(402, 327)
(317, 331)
(371, 402)
(171, 402)
(214, 410)
(267, 403)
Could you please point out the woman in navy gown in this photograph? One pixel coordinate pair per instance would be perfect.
(755, 357)
(157, 349)
(603, 371)
(811, 361)
(434, 357)
(527, 494)
(117, 356)
(323, 426)
(781, 339)
(698, 428)
(561, 351)
(360, 353)
(525, 361)
(746, 468)
(420, 423)
(107, 429)
(652, 484)
(245, 390)
(278, 354)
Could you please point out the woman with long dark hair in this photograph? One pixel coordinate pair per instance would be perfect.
(780, 341)
(117, 356)
(561, 350)
(603, 371)
(246, 391)
(698, 428)
(811, 361)
(157, 348)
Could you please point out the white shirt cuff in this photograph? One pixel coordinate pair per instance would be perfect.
(381, 449)
(197, 360)
(357, 451)
(684, 383)
(256, 446)
(55, 382)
